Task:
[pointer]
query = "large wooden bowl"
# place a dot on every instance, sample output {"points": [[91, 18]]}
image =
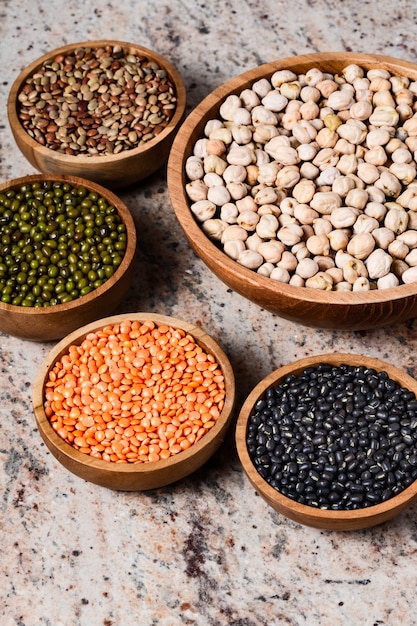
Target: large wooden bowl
{"points": [[309, 515], [113, 171], [323, 309], [143, 476], [54, 322]]}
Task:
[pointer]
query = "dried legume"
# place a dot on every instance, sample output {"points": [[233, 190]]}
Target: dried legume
{"points": [[336, 437], [58, 242], [309, 150], [96, 101], [134, 393]]}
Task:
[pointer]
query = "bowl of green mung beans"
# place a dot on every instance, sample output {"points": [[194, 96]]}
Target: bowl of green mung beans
{"points": [[104, 110], [330, 441], [67, 254]]}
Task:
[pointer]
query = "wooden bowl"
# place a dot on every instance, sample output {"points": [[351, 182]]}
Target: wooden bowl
{"points": [[147, 475], [311, 307], [111, 170], [54, 322], [310, 515]]}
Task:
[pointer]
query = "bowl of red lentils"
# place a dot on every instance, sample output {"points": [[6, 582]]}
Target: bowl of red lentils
{"points": [[134, 402], [296, 184], [105, 110], [330, 441], [67, 254]]}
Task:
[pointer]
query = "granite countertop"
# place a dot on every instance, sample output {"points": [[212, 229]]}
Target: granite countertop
{"points": [[207, 551]]}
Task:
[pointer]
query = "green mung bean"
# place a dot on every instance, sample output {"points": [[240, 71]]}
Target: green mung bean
{"points": [[53, 248]]}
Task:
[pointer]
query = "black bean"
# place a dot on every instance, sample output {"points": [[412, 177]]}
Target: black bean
{"points": [[373, 498], [385, 465], [396, 457]]}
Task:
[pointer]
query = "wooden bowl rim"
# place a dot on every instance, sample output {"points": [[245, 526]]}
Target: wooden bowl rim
{"points": [[127, 260], [182, 147], [322, 518], [76, 337], [141, 149]]}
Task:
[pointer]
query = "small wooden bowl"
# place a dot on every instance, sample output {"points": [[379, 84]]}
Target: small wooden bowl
{"points": [[311, 307], [143, 476], [309, 515], [113, 171], [54, 322]]}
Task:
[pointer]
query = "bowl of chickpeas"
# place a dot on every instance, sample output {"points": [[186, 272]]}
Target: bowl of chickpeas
{"points": [[135, 401], [295, 183], [105, 110], [67, 254]]}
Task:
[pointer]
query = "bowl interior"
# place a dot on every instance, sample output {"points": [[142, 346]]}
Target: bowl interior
{"points": [[54, 322], [317, 308], [141, 476], [310, 515]]}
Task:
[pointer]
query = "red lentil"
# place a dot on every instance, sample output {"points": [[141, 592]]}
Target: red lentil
{"points": [[134, 393]]}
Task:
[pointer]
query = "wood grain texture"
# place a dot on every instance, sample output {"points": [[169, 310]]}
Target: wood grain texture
{"points": [[51, 323], [307, 515], [113, 171], [334, 310], [144, 476]]}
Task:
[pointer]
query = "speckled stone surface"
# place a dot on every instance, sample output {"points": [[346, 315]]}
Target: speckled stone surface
{"points": [[206, 551]]}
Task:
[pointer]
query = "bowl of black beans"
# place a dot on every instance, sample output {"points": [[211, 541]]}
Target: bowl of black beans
{"points": [[330, 441], [67, 254]]}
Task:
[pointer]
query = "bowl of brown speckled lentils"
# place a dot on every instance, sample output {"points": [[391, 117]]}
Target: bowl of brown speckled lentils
{"points": [[295, 182], [104, 110]]}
